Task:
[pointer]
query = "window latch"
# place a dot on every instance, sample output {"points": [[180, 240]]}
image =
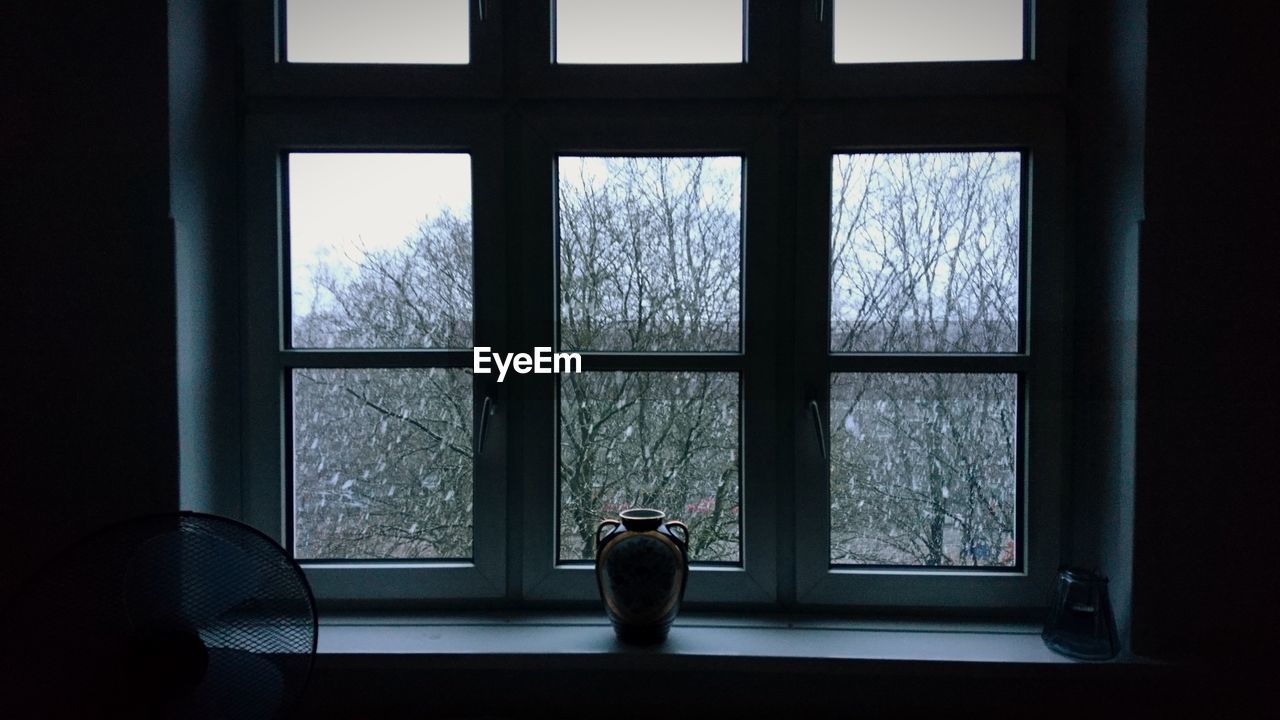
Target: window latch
{"points": [[817, 428], [486, 410]]}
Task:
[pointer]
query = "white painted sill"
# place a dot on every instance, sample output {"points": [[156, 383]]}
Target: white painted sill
{"points": [[582, 639]]}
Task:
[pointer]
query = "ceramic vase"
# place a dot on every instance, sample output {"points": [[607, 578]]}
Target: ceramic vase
{"points": [[642, 567]]}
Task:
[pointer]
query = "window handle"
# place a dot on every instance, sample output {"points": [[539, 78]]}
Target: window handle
{"points": [[820, 6], [817, 428], [481, 7], [485, 411]]}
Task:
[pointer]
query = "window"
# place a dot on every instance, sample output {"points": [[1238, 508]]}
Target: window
{"points": [[816, 293], [885, 31], [656, 32], [380, 258], [377, 31], [650, 261]]}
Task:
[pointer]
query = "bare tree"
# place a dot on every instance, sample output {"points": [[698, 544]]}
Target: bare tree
{"points": [[650, 254], [664, 440], [382, 463], [416, 295], [924, 259], [382, 457], [925, 254], [650, 251]]}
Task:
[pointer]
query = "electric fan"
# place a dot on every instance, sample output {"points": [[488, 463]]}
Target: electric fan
{"points": [[182, 615]]}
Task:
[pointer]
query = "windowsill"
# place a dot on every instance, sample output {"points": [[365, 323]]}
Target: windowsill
{"points": [[568, 640], [570, 665]]}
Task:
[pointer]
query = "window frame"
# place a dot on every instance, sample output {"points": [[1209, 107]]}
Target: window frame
{"points": [[268, 358], [786, 105], [540, 76], [1035, 129], [268, 73], [635, 131], [1041, 71]]}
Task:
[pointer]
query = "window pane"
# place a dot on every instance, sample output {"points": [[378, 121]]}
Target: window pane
{"points": [[923, 469], [650, 253], [382, 464], [380, 250], [884, 31], [378, 31], [665, 440], [925, 252], [648, 31]]}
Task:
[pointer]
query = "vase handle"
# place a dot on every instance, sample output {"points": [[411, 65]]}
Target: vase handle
{"points": [[684, 531], [611, 524]]}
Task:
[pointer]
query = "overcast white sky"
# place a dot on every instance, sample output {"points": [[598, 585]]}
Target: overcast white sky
{"points": [[652, 31], [341, 204], [649, 31], [926, 30], [378, 31]]}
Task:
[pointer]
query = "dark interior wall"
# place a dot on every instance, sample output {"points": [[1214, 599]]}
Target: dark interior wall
{"points": [[1108, 108], [1204, 550], [89, 383]]}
